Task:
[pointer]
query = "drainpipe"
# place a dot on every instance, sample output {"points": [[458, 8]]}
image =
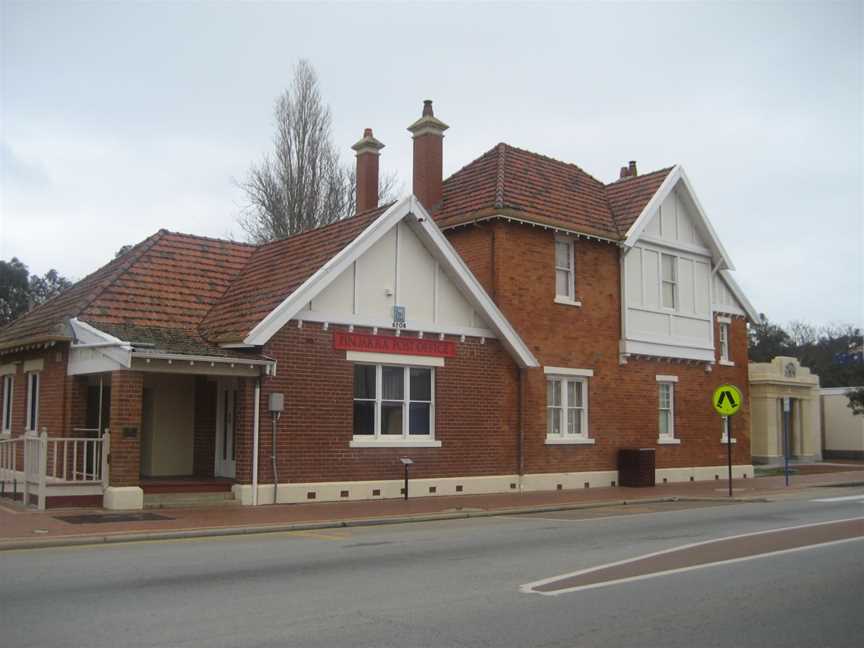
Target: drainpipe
{"points": [[521, 413], [275, 417], [255, 424]]}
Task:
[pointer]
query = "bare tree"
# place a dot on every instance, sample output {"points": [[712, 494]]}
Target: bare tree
{"points": [[303, 184]]}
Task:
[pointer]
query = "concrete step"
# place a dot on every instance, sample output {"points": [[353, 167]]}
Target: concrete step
{"points": [[188, 500]]}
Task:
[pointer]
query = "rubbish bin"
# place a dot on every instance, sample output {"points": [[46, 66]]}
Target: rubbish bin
{"points": [[636, 467]]}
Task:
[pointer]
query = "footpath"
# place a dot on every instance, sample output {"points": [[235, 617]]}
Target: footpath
{"points": [[22, 528]]}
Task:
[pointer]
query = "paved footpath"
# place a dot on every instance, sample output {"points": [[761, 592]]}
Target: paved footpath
{"points": [[21, 528]]}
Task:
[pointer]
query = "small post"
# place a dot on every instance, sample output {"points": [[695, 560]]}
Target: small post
{"points": [[43, 468], [106, 449], [786, 410], [406, 462], [729, 450]]}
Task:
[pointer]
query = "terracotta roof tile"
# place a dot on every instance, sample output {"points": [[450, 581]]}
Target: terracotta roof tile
{"points": [[276, 270], [540, 189]]}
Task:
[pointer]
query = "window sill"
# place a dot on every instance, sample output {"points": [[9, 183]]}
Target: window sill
{"points": [[394, 443], [5, 434], [727, 363], [557, 440], [668, 441], [723, 440], [567, 302]]}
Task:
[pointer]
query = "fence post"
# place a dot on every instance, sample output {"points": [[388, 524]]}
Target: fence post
{"points": [[27, 468], [106, 450], [43, 468]]}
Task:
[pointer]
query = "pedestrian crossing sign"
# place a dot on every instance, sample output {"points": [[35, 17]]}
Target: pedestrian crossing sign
{"points": [[727, 400]]}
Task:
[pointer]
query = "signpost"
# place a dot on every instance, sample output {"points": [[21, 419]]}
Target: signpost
{"points": [[727, 400]]}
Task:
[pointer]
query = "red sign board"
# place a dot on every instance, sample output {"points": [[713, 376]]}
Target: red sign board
{"points": [[390, 344]]}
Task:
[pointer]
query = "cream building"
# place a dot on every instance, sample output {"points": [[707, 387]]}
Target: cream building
{"points": [[770, 382], [842, 431]]}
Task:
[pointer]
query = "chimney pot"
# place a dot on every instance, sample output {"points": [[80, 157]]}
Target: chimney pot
{"points": [[623, 173], [632, 169], [428, 132], [368, 151]]}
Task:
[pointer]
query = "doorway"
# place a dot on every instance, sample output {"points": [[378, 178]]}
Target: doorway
{"points": [[226, 428]]}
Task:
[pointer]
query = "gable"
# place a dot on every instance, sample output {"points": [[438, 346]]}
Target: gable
{"points": [[374, 253], [398, 270], [674, 222]]}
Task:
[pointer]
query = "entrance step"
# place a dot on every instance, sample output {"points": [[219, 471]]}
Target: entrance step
{"points": [[188, 500]]}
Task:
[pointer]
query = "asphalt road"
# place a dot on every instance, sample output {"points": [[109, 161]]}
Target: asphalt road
{"points": [[453, 583]]}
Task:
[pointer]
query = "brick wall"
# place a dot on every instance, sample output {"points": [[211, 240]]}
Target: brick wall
{"points": [[127, 388], [53, 390], [476, 396], [622, 400]]}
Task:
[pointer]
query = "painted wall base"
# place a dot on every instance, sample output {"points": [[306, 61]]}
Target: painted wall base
{"points": [[843, 454], [123, 498], [290, 493]]}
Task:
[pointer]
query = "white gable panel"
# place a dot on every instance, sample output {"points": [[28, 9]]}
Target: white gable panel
{"points": [[397, 270], [724, 300], [674, 222]]}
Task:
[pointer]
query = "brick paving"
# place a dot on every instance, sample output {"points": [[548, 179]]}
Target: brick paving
{"points": [[17, 524]]}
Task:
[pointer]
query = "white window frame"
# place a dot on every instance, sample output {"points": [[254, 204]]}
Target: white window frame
{"points": [[378, 440], [667, 382], [673, 282], [570, 297], [724, 332], [33, 409], [565, 437], [8, 399]]}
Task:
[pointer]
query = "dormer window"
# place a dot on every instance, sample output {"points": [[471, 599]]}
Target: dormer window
{"points": [[565, 271]]}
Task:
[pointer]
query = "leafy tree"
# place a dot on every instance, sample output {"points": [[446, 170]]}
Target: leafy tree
{"points": [[856, 401], [768, 341], [14, 290], [303, 184], [20, 291]]}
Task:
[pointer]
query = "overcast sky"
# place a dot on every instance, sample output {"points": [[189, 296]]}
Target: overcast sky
{"points": [[120, 119]]}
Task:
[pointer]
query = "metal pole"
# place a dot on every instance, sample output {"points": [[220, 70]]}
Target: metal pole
{"points": [[786, 440], [406, 481], [729, 449]]}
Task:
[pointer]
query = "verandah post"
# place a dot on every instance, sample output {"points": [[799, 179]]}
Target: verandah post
{"points": [[43, 468]]}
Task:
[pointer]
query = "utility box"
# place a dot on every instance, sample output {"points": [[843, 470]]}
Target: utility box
{"points": [[636, 467], [276, 403]]}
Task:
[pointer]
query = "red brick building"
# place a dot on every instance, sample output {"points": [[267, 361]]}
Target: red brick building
{"points": [[511, 327]]}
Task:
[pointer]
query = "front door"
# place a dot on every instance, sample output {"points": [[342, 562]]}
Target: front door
{"points": [[226, 429]]}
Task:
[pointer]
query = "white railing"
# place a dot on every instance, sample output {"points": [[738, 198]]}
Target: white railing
{"points": [[40, 465]]}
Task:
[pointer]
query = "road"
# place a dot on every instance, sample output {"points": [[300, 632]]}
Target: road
{"points": [[453, 583]]}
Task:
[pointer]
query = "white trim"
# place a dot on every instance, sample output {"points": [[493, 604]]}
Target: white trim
{"points": [[570, 297], [658, 350], [8, 401], [727, 363], [405, 438], [667, 379], [566, 302], [568, 440], [31, 419], [33, 366], [736, 291], [564, 408], [668, 440], [410, 210], [8, 369], [356, 442], [670, 436], [543, 226], [566, 371], [677, 174], [724, 320], [387, 324], [394, 358]]}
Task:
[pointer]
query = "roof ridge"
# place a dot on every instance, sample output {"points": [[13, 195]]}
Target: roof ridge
{"points": [[554, 160], [130, 258], [499, 187], [208, 238], [641, 175]]}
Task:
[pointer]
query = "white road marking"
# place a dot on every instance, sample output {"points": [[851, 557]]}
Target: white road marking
{"points": [[845, 498], [529, 588]]}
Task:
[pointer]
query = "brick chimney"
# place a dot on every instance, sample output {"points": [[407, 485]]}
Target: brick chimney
{"points": [[428, 132], [628, 171], [368, 151]]}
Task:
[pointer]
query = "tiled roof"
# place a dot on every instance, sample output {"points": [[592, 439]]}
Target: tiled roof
{"points": [[512, 181], [276, 270], [628, 197]]}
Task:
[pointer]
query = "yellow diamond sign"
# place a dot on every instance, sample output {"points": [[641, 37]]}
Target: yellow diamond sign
{"points": [[727, 400]]}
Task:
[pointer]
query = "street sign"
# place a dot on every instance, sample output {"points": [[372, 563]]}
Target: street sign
{"points": [[727, 400]]}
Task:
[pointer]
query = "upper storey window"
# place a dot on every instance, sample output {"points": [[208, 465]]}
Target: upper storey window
{"points": [[565, 270], [669, 282]]}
